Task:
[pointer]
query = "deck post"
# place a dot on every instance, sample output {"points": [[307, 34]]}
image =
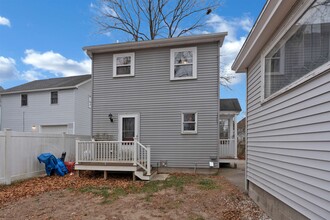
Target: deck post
{"points": [[135, 151], [105, 174], [77, 142], [148, 160]]}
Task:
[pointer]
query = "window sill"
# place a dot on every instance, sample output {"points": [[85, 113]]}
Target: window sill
{"points": [[120, 76], [186, 132], [183, 78], [315, 73]]}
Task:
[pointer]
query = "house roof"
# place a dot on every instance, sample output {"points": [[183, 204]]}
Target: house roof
{"points": [[176, 41], [270, 18], [230, 105], [48, 84], [241, 123]]}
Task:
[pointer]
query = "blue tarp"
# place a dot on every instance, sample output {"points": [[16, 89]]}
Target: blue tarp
{"points": [[53, 164]]}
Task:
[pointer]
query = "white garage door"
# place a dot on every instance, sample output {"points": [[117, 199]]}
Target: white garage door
{"points": [[54, 129]]}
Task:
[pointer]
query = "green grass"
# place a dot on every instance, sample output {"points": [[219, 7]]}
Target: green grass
{"points": [[173, 182], [207, 184]]}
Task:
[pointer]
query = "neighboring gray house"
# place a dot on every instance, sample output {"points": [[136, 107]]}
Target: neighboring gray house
{"points": [[164, 92], [229, 109], [287, 60], [49, 106]]}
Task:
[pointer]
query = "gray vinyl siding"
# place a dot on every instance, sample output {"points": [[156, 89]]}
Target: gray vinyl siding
{"points": [[160, 102], [39, 111], [288, 141], [83, 113]]}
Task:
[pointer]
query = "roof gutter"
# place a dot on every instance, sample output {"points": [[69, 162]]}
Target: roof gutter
{"points": [[37, 90], [205, 38], [45, 89]]}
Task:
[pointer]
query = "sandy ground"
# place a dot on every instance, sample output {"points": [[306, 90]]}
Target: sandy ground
{"points": [[184, 197]]}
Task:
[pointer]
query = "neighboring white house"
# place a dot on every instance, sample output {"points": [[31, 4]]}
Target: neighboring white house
{"points": [[287, 60], [49, 106], [229, 109]]}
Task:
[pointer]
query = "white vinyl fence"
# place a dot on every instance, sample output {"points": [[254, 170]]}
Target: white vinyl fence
{"points": [[19, 152]]}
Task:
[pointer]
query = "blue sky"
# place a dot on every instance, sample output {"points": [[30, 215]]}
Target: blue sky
{"points": [[43, 38]]}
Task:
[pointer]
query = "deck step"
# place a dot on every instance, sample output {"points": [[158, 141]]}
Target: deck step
{"points": [[142, 174]]}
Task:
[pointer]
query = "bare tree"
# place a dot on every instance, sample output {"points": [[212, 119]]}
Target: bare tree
{"points": [[151, 19]]}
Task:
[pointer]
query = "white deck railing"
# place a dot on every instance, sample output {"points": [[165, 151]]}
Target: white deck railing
{"points": [[227, 148], [114, 152]]}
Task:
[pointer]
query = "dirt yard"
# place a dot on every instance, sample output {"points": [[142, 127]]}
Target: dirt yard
{"points": [[91, 197]]}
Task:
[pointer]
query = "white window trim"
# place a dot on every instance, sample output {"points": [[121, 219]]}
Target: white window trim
{"points": [[137, 124], [194, 63], [114, 63], [196, 122], [275, 40]]}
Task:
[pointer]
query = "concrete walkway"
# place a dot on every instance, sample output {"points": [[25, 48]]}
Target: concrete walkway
{"points": [[235, 176]]}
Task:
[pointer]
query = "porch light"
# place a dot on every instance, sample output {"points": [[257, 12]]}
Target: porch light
{"points": [[34, 128], [111, 117]]}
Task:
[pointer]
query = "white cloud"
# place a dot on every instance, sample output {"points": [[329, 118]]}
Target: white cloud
{"points": [[32, 75], [4, 21], [7, 68], [56, 63], [232, 43]]}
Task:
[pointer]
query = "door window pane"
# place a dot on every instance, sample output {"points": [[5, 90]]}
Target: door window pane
{"points": [[128, 129]]}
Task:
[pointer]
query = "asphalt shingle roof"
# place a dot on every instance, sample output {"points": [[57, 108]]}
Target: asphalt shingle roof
{"points": [[48, 84], [230, 105]]}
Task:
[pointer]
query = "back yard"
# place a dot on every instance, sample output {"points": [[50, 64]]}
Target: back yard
{"points": [[181, 196]]}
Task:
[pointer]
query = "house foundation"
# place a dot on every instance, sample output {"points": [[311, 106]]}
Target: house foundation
{"points": [[274, 208]]}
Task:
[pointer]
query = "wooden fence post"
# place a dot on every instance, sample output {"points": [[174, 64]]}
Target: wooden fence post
{"points": [[7, 167]]}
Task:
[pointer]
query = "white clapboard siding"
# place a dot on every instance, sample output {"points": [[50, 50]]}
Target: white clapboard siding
{"points": [[39, 110], [289, 143]]}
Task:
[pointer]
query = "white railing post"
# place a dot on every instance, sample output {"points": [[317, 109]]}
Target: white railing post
{"points": [[148, 160], [135, 151], [77, 152]]}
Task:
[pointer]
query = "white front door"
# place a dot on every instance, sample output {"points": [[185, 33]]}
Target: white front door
{"points": [[128, 127]]}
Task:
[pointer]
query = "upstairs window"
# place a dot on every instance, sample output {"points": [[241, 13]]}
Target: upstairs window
{"points": [[184, 63], [123, 64], [24, 99], [189, 123], [303, 49], [54, 97]]}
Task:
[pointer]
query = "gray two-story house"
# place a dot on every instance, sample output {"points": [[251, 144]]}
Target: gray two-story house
{"points": [[54, 105], [164, 93]]}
